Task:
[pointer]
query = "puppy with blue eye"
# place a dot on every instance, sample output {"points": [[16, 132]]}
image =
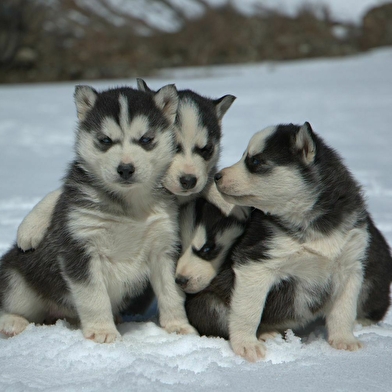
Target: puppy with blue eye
{"points": [[207, 235]]}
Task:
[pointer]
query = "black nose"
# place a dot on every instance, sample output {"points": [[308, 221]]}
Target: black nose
{"points": [[188, 181], [217, 177], [182, 280], [126, 170]]}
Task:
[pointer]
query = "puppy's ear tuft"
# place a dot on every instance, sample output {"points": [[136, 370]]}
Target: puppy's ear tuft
{"points": [[223, 104], [304, 143], [85, 97], [166, 99], [142, 85]]}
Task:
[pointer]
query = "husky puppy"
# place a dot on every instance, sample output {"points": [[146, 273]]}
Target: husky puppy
{"points": [[310, 249], [207, 235], [114, 226], [198, 134]]}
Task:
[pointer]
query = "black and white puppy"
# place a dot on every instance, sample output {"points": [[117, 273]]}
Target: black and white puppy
{"points": [[310, 248], [114, 227]]}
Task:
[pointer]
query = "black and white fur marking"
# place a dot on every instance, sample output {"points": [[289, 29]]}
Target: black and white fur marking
{"points": [[310, 248], [198, 135], [114, 226]]}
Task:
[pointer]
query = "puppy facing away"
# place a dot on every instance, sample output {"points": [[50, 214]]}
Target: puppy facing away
{"points": [[114, 227], [309, 249]]}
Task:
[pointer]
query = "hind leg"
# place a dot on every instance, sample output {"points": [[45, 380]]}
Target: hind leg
{"points": [[20, 307]]}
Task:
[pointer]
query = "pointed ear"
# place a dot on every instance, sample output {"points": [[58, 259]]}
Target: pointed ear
{"points": [[142, 85], [222, 105], [85, 97], [305, 144], [167, 100]]}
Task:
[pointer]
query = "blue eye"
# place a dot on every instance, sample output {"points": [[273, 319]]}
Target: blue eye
{"points": [[106, 141], [255, 161], [207, 248], [144, 140]]}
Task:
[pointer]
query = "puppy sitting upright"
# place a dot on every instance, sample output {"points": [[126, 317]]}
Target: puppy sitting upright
{"points": [[316, 243], [114, 226]]}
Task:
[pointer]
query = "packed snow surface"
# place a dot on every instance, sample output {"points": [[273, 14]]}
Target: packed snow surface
{"points": [[348, 101]]}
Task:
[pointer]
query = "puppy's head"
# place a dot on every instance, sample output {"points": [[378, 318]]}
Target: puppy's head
{"points": [[198, 142], [198, 136], [207, 246], [125, 137], [276, 174]]}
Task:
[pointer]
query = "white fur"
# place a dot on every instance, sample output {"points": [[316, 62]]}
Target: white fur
{"points": [[312, 265], [282, 192], [34, 226]]}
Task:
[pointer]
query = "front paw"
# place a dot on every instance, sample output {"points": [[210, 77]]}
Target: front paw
{"points": [[250, 349], [30, 236], [268, 335], [12, 324], [101, 334], [349, 343], [180, 328]]}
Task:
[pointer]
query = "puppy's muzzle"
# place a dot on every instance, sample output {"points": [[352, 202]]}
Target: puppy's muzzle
{"points": [[182, 281], [125, 171]]}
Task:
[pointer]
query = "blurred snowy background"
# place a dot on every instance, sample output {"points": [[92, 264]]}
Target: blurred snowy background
{"points": [[347, 98], [82, 39]]}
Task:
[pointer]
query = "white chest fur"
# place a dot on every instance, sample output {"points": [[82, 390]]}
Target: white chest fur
{"points": [[121, 248], [318, 265]]}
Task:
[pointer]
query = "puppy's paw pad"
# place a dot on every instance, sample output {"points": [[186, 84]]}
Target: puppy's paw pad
{"points": [[182, 329], [99, 335], [346, 344], [11, 325], [252, 351]]}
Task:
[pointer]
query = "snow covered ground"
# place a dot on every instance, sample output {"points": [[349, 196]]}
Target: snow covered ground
{"points": [[348, 101]]}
